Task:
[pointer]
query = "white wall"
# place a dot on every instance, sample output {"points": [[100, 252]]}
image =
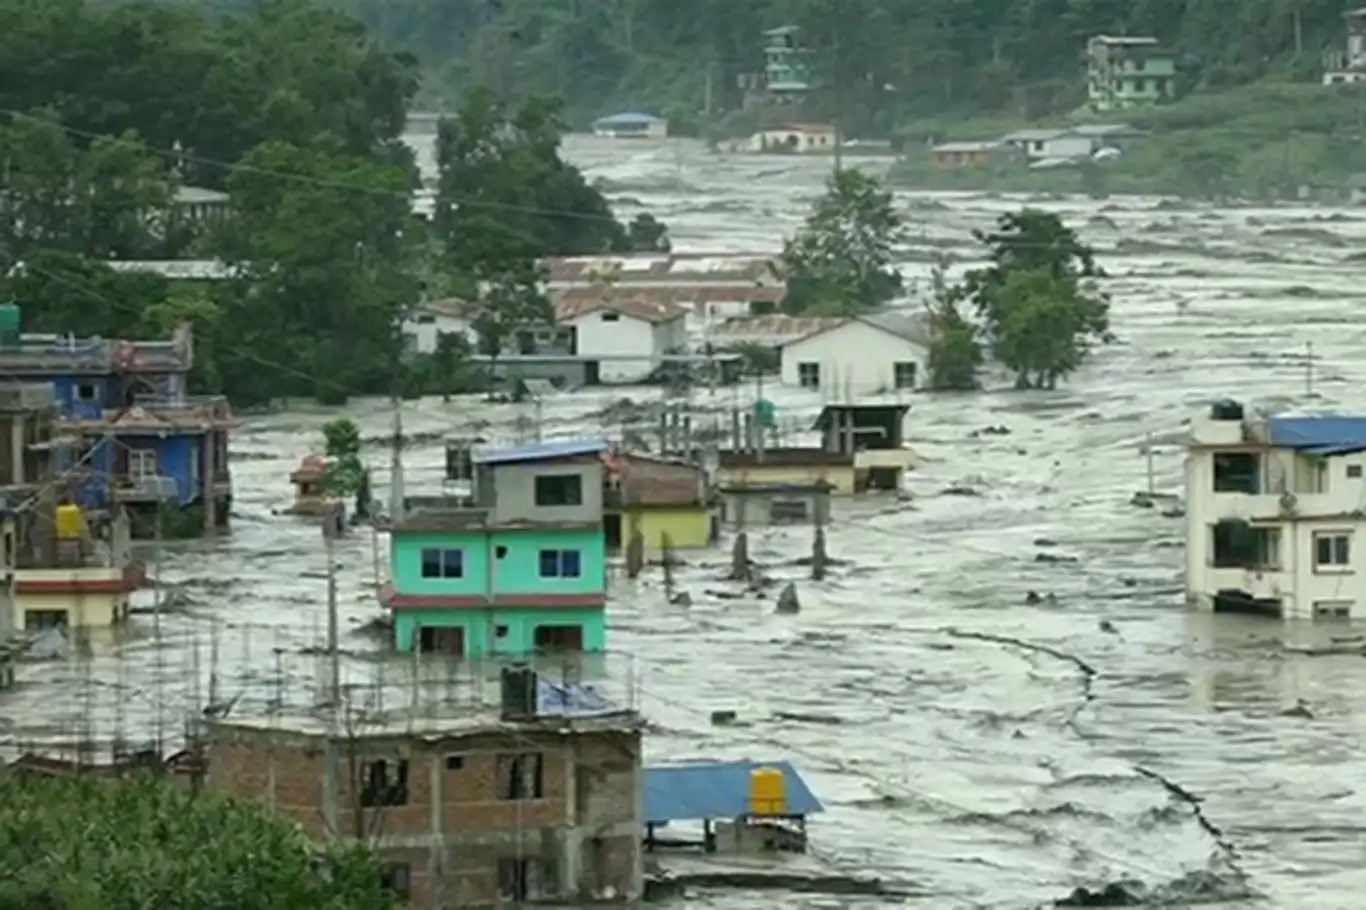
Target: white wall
{"points": [[1065, 147], [1324, 502], [423, 329], [601, 335], [855, 356]]}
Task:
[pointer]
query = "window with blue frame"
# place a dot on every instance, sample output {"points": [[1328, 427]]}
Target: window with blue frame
{"points": [[560, 564], [443, 563]]}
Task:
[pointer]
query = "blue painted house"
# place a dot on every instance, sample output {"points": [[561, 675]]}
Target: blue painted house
{"points": [[134, 437], [520, 570]]}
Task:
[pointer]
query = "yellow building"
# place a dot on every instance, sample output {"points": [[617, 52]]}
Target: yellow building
{"points": [[663, 501], [65, 577]]}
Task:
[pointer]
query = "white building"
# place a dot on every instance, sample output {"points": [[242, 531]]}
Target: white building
{"points": [[1348, 68], [1056, 143], [636, 329], [795, 138], [1273, 508], [860, 355], [428, 321]]}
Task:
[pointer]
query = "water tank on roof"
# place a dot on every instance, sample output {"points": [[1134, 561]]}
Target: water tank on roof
{"points": [[767, 792], [1228, 409], [70, 522], [10, 325]]}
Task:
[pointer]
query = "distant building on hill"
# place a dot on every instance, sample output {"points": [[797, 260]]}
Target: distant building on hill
{"points": [[1344, 69], [1128, 72]]}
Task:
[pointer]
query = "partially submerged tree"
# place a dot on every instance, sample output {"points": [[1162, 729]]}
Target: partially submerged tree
{"points": [[511, 307], [840, 262], [345, 472], [955, 353], [1038, 300]]}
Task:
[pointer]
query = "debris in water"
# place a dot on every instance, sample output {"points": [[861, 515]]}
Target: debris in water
{"points": [[1115, 894], [1301, 709], [723, 718], [1108, 627], [1053, 557], [787, 600]]}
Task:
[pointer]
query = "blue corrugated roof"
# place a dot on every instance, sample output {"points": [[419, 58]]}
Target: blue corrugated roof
{"points": [[539, 451], [1326, 434], [697, 791]]}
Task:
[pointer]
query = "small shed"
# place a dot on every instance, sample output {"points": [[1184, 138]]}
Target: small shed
{"points": [[631, 125], [764, 504], [309, 496], [726, 797]]}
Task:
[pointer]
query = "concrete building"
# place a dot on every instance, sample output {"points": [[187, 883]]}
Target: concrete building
{"points": [[785, 69], [541, 801], [424, 325], [981, 153], [1347, 68], [631, 125], [1273, 508], [795, 139], [666, 502], [860, 355], [1125, 72], [123, 408], [618, 325], [517, 568]]}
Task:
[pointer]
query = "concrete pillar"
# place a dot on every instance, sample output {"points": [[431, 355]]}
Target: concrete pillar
{"points": [[209, 460], [739, 558], [635, 552], [819, 557], [16, 448]]}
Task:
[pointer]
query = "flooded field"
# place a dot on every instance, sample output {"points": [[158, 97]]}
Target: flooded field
{"points": [[971, 746]]}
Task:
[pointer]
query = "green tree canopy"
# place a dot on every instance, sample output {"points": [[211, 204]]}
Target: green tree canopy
{"points": [[75, 843], [840, 262]]}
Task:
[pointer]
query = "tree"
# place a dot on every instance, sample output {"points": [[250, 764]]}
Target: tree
{"points": [[511, 307], [345, 473], [955, 350], [647, 234], [68, 842], [318, 236], [1038, 299], [840, 262]]}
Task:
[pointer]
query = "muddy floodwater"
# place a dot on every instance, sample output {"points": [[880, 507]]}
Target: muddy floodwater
{"points": [[973, 747]]}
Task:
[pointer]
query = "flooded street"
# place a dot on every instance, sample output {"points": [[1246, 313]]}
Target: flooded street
{"points": [[969, 747]]}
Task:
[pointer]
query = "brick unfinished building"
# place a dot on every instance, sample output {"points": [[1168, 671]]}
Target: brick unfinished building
{"points": [[543, 805]]}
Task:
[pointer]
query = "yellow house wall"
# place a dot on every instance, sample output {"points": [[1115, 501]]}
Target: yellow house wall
{"points": [[82, 609], [841, 478], [688, 529]]}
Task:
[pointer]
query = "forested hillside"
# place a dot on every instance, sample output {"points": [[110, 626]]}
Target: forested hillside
{"points": [[912, 57]]}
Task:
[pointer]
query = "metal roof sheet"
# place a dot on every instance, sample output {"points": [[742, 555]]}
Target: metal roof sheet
{"points": [[697, 791], [1323, 434], [539, 451]]}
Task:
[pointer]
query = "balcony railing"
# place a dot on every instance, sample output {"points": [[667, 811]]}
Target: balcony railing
{"points": [[128, 488]]}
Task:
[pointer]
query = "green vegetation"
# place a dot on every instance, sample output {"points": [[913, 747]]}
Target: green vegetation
{"points": [[841, 261], [108, 110], [895, 62], [1037, 306], [1263, 141], [128, 845]]}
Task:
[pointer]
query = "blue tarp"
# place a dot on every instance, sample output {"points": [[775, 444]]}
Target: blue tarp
{"points": [[698, 791], [570, 700], [539, 451], [1327, 434]]}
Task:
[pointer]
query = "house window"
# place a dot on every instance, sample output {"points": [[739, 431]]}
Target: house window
{"points": [[520, 777], [443, 563], [903, 374], [500, 631], [1354, 470], [1237, 472], [611, 317], [86, 391], [1332, 609], [45, 619], [559, 638], [809, 375], [396, 878], [1235, 544], [559, 490], [385, 783], [1332, 551], [523, 879], [455, 762], [560, 564], [142, 464]]}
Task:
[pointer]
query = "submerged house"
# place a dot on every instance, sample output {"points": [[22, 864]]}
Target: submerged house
{"points": [[518, 567], [666, 502], [862, 448], [128, 423], [744, 806], [1273, 507]]}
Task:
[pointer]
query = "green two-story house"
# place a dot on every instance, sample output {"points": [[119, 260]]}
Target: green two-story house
{"points": [[518, 569], [1123, 72]]}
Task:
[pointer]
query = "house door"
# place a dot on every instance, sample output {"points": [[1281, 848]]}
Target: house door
{"points": [[559, 638], [442, 640]]}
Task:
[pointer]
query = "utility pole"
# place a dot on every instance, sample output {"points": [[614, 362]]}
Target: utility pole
{"points": [[332, 526], [396, 491]]}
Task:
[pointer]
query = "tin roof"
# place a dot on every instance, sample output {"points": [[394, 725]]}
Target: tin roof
{"points": [[912, 327], [539, 451], [664, 268], [775, 325], [700, 791], [636, 303], [1321, 434]]}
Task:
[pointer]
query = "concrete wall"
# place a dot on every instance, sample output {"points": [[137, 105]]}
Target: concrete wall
{"points": [[518, 627], [856, 358], [517, 571], [842, 479], [515, 490], [453, 828], [687, 527], [93, 609]]}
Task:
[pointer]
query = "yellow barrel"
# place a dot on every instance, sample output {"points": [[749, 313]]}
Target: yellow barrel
{"points": [[767, 792], [70, 522]]}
